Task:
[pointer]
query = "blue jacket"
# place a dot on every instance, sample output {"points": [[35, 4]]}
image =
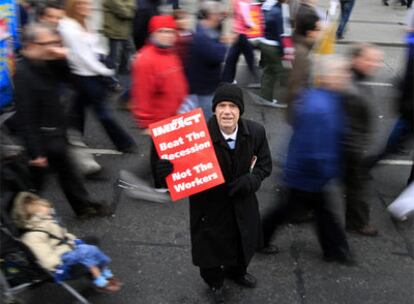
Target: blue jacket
{"points": [[314, 155], [273, 20], [206, 56]]}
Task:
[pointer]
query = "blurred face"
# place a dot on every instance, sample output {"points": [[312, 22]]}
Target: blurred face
{"points": [[83, 8], [52, 16], [339, 77], [227, 114], [165, 37], [184, 23], [316, 33], [46, 46], [370, 60]]}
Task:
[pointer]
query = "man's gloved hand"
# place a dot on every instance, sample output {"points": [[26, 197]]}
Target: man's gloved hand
{"points": [[163, 168], [244, 185]]}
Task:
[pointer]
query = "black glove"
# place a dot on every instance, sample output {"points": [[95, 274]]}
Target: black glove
{"points": [[163, 168], [244, 185]]}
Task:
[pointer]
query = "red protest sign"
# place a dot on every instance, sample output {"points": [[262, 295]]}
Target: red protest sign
{"points": [[257, 31], [185, 141]]}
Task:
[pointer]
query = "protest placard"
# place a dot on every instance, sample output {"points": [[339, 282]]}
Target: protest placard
{"points": [[185, 141]]}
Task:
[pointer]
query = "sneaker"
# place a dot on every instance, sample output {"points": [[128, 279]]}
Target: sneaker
{"points": [[278, 104], [254, 85], [367, 230], [161, 190]]}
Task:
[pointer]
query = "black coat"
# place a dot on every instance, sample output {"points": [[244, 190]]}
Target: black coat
{"points": [[219, 224]]}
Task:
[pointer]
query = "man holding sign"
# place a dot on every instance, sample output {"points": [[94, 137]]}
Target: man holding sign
{"points": [[224, 220]]}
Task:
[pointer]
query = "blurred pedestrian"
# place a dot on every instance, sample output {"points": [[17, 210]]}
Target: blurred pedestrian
{"points": [[144, 11], [50, 12], [242, 21], [207, 53], [346, 10], [307, 32], [271, 48], [90, 74], [366, 59], [159, 85], [41, 117], [184, 36], [117, 27], [314, 159], [224, 221]]}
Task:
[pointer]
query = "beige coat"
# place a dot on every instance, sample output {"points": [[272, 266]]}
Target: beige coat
{"points": [[47, 249]]}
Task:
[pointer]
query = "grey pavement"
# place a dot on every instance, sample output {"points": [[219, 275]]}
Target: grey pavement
{"points": [[150, 244]]}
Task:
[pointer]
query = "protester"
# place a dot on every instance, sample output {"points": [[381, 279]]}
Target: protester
{"points": [[314, 159], [306, 34], [224, 221], [159, 85], [57, 250], [346, 10], [41, 118], [90, 74], [366, 59], [271, 48], [184, 37], [50, 12], [145, 10], [117, 27], [207, 53], [242, 21]]}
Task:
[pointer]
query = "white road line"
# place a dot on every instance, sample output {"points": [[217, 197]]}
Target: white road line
{"points": [[396, 162], [377, 84], [103, 151]]}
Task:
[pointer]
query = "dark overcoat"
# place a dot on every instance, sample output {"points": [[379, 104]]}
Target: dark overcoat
{"points": [[222, 226]]}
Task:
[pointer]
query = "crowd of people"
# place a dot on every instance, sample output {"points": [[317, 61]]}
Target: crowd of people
{"points": [[175, 68]]}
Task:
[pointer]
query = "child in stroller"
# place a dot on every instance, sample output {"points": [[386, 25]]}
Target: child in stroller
{"points": [[55, 248]]}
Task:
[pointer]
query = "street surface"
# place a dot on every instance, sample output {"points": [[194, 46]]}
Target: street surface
{"points": [[150, 243]]}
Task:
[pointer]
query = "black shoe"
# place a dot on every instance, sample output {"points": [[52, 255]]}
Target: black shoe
{"points": [[86, 213], [217, 294], [246, 280], [102, 209], [346, 260], [269, 249]]}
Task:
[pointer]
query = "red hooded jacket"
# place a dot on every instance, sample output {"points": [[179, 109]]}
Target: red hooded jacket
{"points": [[159, 85]]}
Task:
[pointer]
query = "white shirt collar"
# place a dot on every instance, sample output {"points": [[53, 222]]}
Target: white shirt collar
{"points": [[232, 135]]}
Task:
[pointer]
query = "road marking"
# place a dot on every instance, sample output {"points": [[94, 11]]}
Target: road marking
{"points": [[377, 84], [102, 151], [397, 162]]}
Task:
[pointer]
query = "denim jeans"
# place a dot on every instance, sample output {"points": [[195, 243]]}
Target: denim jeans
{"points": [[204, 102], [346, 9], [91, 92], [242, 46]]}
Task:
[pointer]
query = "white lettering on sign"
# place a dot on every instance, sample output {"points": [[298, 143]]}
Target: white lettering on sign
{"points": [[176, 124], [196, 182], [180, 175], [202, 167], [193, 149], [195, 135], [172, 144]]}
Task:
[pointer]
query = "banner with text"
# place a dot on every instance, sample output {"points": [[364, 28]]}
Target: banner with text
{"points": [[185, 141]]}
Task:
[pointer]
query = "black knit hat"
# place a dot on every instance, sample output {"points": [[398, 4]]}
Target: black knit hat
{"points": [[229, 92]]}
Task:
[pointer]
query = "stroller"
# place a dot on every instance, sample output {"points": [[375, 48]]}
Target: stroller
{"points": [[19, 269]]}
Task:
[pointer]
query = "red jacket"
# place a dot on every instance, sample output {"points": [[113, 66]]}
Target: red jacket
{"points": [[159, 85]]}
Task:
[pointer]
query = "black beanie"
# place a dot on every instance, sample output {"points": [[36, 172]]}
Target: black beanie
{"points": [[229, 92]]}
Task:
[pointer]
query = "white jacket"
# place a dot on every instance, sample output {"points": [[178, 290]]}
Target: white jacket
{"points": [[84, 50]]}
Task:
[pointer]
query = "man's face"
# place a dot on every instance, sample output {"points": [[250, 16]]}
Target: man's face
{"points": [[46, 46], [314, 35], [165, 37], [52, 16], [369, 61], [227, 114]]}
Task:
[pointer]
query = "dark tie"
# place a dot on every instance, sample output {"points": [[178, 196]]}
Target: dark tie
{"points": [[231, 143]]}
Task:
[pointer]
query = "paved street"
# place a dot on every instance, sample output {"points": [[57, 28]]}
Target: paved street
{"points": [[150, 243]]}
